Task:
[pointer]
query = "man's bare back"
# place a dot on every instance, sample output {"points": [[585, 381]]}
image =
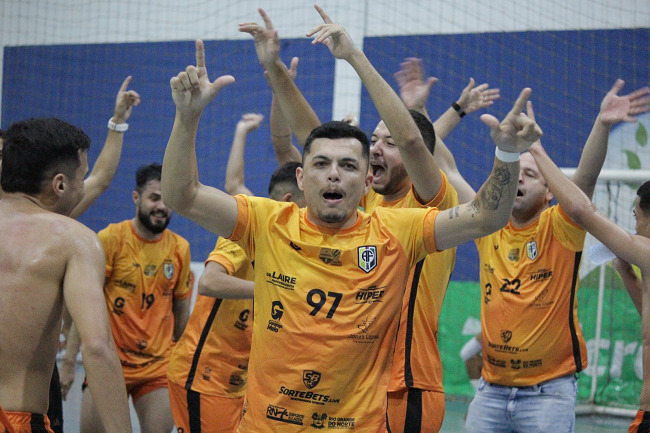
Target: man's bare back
{"points": [[37, 247]]}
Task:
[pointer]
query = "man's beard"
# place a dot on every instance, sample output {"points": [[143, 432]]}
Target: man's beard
{"points": [[145, 220]]}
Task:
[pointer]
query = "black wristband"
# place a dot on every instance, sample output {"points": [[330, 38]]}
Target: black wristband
{"points": [[459, 110]]}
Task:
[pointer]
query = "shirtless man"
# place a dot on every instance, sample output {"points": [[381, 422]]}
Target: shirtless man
{"points": [[56, 261]]}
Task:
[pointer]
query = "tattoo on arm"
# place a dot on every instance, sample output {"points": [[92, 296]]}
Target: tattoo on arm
{"points": [[492, 193]]}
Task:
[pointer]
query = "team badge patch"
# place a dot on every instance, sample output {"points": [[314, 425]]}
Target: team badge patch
{"points": [[367, 258], [531, 250], [310, 378], [168, 269], [506, 335]]}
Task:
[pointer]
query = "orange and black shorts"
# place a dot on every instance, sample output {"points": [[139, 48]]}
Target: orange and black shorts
{"points": [[24, 422], [641, 423]]}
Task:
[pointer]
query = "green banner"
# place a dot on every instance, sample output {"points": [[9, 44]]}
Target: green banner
{"points": [[619, 364]]}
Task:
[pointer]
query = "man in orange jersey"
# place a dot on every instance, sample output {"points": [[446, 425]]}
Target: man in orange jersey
{"points": [[147, 292], [57, 261], [532, 343], [629, 249], [208, 369], [405, 175], [329, 279]]}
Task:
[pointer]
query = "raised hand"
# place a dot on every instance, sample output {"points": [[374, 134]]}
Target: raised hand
{"points": [[516, 132], [267, 43], [413, 89], [124, 102], [250, 122], [192, 90], [334, 36], [615, 109], [474, 98]]}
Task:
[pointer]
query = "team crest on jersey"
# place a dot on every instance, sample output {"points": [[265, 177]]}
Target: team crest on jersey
{"points": [[531, 250], [310, 378], [330, 256], [318, 420], [506, 335], [367, 257], [168, 270]]}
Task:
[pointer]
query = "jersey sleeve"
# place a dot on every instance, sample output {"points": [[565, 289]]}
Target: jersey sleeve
{"points": [[229, 255], [110, 241], [566, 231], [445, 199], [415, 229], [183, 287]]}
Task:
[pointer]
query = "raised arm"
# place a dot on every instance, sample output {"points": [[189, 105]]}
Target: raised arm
{"points": [[217, 283], [209, 207], [283, 146], [83, 292], [414, 92], [490, 209], [613, 109], [235, 168], [632, 282], [631, 248], [301, 117], [471, 99], [104, 169], [418, 161]]}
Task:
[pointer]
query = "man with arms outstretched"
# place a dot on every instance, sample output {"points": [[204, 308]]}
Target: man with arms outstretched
{"points": [[629, 249], [54, 261], [405, 175]]}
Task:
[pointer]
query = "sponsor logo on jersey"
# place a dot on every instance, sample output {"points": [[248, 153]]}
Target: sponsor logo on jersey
{"points": [[168, 269], [367, 257], [341, 423], [540, 275], [236, 380], [365, 336], [505, 348], [310, 378], [330, 256], [136, 265], [125, 285], [281, 280], [540, 300], [150, 270], [370, 295], [243, 318], [142, 344], [207, 371], [118, 306], [318, 420], [294, 246], [496, 362], [277, 310], [308, 396], [513, 255], [487, 268], [278, 413], [496, 247], [515, 364], [506, 335]]}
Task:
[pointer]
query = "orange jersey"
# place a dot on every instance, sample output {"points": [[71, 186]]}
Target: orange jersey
{"points": [[142, 279], [417, 361], [212, 355], [326, 308], [529, 310]]}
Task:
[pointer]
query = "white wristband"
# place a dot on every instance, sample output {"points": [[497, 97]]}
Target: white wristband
{"points": [[506, 156], [117, 127]]}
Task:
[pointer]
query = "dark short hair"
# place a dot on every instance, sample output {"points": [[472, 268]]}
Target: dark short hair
{"points": [[284, 175], [146, 173], [338, 129], [426, 129], [644, 197], [35, 150]]}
